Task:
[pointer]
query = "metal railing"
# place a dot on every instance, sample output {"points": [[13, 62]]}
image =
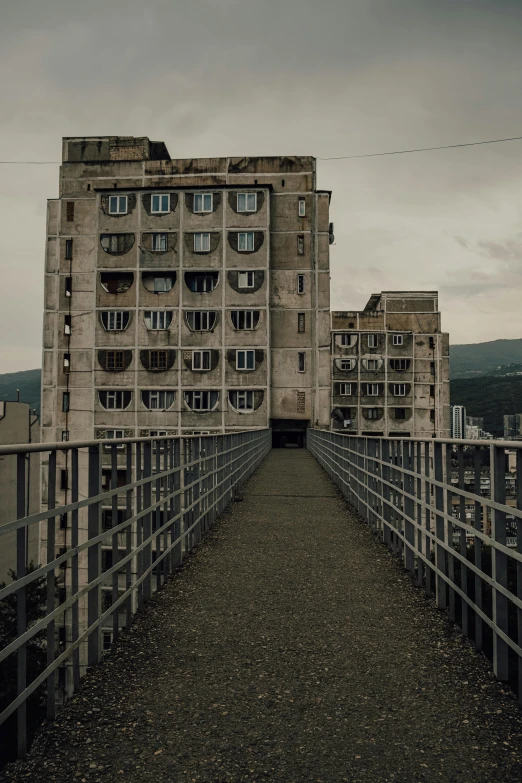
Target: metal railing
{"points": [[463, 548], [130, 510]]}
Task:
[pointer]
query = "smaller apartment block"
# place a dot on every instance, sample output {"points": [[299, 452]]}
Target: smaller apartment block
{"points": [[390, 367]]}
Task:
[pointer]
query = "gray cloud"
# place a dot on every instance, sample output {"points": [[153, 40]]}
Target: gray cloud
{"points": [[292, 76]]}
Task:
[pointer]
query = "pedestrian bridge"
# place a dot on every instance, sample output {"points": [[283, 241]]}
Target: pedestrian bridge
{"points": [[302, 640]]}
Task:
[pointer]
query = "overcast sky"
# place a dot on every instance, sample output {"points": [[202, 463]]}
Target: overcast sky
{"points": [[277, 77]]}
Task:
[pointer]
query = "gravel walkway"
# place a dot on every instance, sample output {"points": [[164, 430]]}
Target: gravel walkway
{"points": [[291, 648]]}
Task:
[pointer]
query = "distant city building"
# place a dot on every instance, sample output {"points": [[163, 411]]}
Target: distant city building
{"points": [[18, 425], [513, 426], [475, 421], [390, 367], [458, 421]]}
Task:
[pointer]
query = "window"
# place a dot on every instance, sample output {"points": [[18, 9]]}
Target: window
{"points": [[300, 284], [68, 286], [66, 399], [301, 361], [201, 400], [245, 360], [372, 389], [201, 282], [201, 242], [67, 324], [157, 433], [117, 243], [432, 390], [400, 365], [372, 413], [158, 320], [300, 244], [159, 243], [158, 400], [302, 207], [398, 339], [117, 205], [203, 202], [68, 249], [242, 400], [400, 413], [246, 202], [70, 211], [346, 339], [432, 342], [158, 360], [160, 203], [346, 389], [432, 414], [245, 241], [158, 284], [115, 320], [432, 368], [115, 400], [245, 279], [301, 322], [65, 435], [346, 364], [201, 360], [373, 364], [116, 282], [106, 640], [398, 389], [114, 434], [200, 320], [114, 360], [373, 341], [245, 319]]}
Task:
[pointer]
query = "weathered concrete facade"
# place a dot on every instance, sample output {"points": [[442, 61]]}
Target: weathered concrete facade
{"points": [[184, 295], [390, 367], [18, 425]]}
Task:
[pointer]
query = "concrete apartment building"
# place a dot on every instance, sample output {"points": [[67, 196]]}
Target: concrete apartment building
{"points": [[390, 367], [18, 424], [513, 426], [184, 295], [458, 421]]}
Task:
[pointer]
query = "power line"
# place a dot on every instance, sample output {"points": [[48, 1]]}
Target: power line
{"points": [[339, 157], [424, 149]]}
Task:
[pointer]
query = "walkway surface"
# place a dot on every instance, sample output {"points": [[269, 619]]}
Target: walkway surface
{"points": [[291, 648]]}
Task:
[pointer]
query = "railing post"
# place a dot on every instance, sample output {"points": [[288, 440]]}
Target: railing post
{"points": [[94, 556], [75, 577], [408, 508], [463, 544], [147, 519], [519, 568], [499, 563], [428, 549], [477, 463], [440, 557], [21, 604], [114, 541], [449, 529], [51, 588], [128, 533]]}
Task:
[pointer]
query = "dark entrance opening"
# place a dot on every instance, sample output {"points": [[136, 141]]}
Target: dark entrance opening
{"points": [[289, 433]]}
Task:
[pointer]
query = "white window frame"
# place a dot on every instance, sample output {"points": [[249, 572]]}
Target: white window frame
{"points": [[248, 197], [301, 361], [203, 398], [244, 400], [114, 400], [116, 317], [248, 241], [373, 341], [372, 390], [351, 363], [203, 197], [159, 396], [245, 280], [405, 368], [372, 365], [396, 389], [302, 207], [161, 197], [248, 320], [201, 357], [203, 239], [398, 339], [246, 353], [346, 340], [345, 389], [165, 280], [115, 435], [161, 239], [122, 205], [372, 418], [204, 315], [301, 284], [156, 321]]}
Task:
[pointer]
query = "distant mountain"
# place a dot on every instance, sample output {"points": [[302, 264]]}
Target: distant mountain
{"points": [[499, 357], [489, 396], [28, 383]]}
